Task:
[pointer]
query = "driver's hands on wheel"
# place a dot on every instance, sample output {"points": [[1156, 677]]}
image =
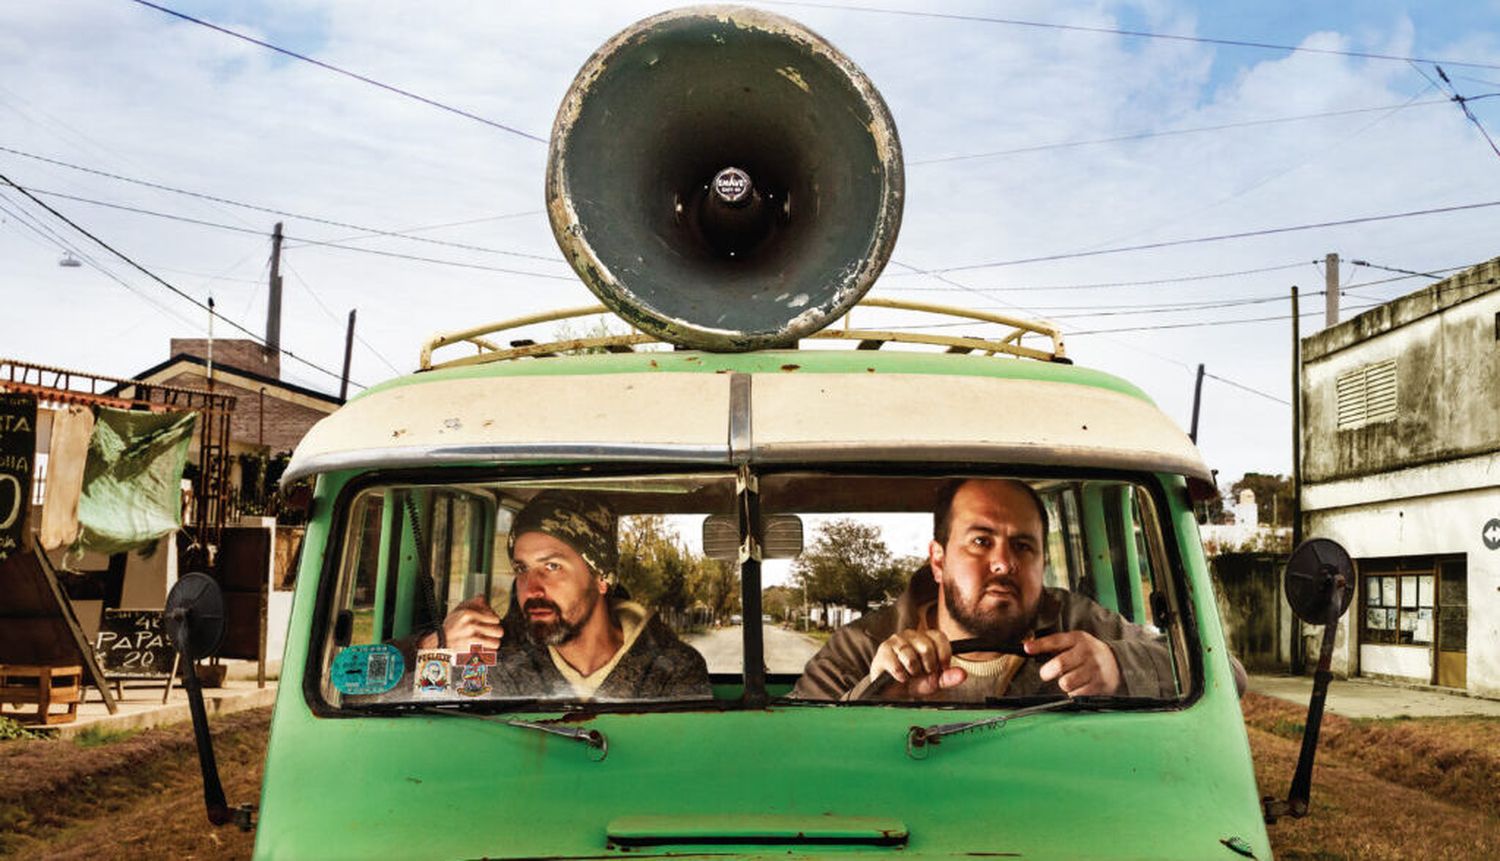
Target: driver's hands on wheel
{"points": [[472, 622], [1084, 665], [919, 660]]}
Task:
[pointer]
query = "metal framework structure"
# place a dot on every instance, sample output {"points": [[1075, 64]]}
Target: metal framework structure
{"points": [[60, 386], [1008, 344]]}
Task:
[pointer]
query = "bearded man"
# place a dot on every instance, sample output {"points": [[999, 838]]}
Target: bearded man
{"points": [[984, 580], [569, 633]]}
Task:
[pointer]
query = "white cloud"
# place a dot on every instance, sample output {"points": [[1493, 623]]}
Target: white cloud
{"points": [[125, 89]]}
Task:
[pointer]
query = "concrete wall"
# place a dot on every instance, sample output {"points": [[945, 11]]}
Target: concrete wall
{"points": [[1444, 341], [1257, 620], [1443, 523]]}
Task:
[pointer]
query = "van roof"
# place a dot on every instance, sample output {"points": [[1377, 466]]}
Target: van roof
{"points": [[772, 406]]}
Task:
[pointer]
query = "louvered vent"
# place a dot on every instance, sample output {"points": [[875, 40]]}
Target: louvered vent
{"points": [[1367, 395]]}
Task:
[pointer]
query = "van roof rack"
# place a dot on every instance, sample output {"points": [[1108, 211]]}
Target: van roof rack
{"points": [[865, 339]]}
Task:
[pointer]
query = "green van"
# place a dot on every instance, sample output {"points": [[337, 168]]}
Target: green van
{"points": [[730, 185]]}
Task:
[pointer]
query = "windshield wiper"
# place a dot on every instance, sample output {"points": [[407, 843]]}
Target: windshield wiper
{"points": [[597, 741], [919, 738]]}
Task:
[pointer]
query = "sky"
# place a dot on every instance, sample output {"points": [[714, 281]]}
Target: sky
{"points": [[1039, 139]]}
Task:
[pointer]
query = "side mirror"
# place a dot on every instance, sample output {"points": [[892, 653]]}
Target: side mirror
{"points": [[781, 533], [194, 620], [1319, 583]]}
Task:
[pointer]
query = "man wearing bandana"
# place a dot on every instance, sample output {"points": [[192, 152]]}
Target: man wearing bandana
{"points": [[569, 633], [984, 580]]}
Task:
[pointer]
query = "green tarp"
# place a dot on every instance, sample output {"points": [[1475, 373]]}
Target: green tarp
{"points": [[132, 483]]}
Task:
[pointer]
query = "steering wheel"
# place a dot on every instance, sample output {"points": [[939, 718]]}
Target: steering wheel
{"points": [[960, 647]]}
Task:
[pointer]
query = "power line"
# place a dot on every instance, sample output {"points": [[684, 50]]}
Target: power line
{"points": [[371, 231], [1167, 133], [1139, 34], [25, 219], [1247, 234], [1152, 282], [158, 279], [334, 317], [356, 76], [1463, 104], [301, 240]]}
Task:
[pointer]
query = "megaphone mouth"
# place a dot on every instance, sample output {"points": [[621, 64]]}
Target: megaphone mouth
{"points": [[724, 178]]}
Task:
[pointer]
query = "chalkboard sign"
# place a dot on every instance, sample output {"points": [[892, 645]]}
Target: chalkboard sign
{"points": [[17, 449], [132, 645]]}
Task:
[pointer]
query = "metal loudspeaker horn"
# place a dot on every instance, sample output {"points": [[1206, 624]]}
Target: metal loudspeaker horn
{"points": [[724, 179]]}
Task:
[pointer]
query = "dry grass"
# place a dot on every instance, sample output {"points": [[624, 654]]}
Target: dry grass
{"points": [[1422, 788], [1455, 759]]}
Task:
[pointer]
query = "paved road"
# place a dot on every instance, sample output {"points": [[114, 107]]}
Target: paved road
{"points": [[1360, 698], [786, 651]]}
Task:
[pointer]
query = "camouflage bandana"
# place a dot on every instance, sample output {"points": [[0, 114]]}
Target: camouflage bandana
{"points": [[584, 524]]}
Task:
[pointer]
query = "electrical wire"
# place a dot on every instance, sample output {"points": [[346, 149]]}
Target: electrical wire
{"points": [[1098, 285], [1139, 34], [1245, 234], [301, 240], [365, 231], [47, 234], [163, 282], [1166, 133], [334, 317], [356, 76]]}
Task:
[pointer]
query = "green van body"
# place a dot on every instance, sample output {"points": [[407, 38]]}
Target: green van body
{"points": [[777, 780]]}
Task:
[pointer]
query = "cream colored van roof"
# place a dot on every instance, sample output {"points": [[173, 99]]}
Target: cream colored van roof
{"points": [[774, 414]]}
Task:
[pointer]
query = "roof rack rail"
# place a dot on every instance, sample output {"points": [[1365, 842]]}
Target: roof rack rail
{"points": [[866, 339]]}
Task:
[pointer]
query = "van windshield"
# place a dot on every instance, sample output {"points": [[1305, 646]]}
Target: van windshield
{"points": [[650, 589]]}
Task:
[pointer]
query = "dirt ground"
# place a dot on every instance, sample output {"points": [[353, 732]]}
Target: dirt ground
{"points": [[1388, 789]]}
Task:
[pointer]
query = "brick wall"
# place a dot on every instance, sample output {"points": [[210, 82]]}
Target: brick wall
{"points": [[285, 422], [240, 353]]}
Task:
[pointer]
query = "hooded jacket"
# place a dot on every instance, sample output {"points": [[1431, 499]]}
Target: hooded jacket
{"points": [[841, 669]]}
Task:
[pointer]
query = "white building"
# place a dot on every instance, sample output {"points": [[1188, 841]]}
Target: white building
{"points": [[1401, 465]]}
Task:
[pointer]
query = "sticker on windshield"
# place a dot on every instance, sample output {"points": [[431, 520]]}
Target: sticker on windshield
{"points": [[434, 672], [368, 669], [474, 680]]}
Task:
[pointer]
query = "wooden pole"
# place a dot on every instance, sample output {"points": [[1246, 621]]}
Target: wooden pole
{"points": [[348, 354], [1197, 399], [1296, 422]]}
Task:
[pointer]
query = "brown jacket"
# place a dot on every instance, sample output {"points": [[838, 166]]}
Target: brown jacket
{"points": [[841, 669]]}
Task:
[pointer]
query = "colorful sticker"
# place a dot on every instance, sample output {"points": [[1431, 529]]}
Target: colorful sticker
{"points": [[367, 669], [434, 672], [474, 680]]}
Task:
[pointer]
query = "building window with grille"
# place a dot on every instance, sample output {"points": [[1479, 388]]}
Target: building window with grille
{"points": [[1398, 609], [1366, 395]]}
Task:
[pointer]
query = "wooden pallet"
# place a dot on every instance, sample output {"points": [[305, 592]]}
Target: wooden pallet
{"points": [[23, 684]]}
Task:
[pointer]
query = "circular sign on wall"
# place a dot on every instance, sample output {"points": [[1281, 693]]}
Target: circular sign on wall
{"points": [[1491, 534]]}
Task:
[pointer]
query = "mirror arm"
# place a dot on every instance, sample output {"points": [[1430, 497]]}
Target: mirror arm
{"points": [[1297, 800], [213, 789]]}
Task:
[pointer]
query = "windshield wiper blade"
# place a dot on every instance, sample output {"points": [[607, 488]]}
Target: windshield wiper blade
{"points": [[597, 741], [919, 738]]}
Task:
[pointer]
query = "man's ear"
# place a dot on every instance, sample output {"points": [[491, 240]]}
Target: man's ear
{"points": [[935, 560], [602, 583]]}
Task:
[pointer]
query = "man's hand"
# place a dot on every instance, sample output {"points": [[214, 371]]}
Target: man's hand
{"points": [[473, 621], [1084, 665], [919, 660]]}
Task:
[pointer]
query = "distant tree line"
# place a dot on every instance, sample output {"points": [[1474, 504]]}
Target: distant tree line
{"points": [[847, 565], [659, 571]]}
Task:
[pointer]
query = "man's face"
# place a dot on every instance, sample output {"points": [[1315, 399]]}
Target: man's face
{"points": [[557, 591], [989, 572]]}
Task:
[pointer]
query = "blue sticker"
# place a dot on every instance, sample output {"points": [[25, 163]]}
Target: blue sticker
{"points": [[372, 669]]}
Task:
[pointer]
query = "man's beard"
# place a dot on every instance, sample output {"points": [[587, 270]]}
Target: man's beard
{"points": [[1008, 625], [558, 630]]}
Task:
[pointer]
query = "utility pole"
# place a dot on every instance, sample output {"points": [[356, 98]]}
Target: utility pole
{"points": [[348, 353], [273, 305], [1197, 398], [1331, 290], [1298, 661], [1296, 422]]}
